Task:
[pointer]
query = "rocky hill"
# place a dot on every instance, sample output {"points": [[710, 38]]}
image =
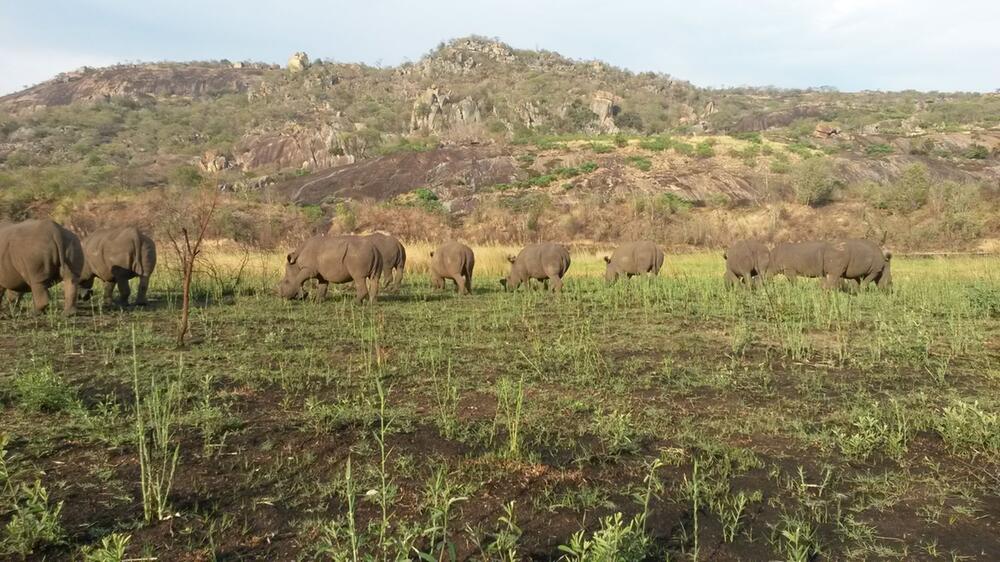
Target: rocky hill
{"points": [[473, 122]]}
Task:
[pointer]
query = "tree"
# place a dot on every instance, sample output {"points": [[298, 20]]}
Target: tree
{"points": [[814, 181], [189, 216]]}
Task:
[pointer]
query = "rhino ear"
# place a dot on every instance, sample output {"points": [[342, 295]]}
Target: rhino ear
{"points": [[511, 258], [432, 254], [887, 254], [607, 259], [292, 257]]}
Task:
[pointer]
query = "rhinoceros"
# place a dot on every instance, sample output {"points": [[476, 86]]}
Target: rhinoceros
{"points": [[859, 260], [455, 261], [393, 258], [115, 256], [333, 259], [633, 258], [545, 261], [35, 255], [747, 261]]}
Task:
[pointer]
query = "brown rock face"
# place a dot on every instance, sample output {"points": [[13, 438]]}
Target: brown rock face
{"points": [[294, 147], [454, 172], [604, 105], [136, 82]]}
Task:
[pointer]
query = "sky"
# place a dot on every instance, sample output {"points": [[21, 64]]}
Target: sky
{"points": [[848, 44]]}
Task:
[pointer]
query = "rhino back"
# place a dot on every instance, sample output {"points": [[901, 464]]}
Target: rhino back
{"points": [[38, 251]]}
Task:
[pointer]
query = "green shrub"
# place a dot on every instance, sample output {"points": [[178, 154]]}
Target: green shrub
{"points": [[42, 390], [600, 148], [969, 430], [641, 162], [878, 149], [621, 141], [704, 149], [588, 167], [629, 120], [683, 148], [976, 152], [814, 181], [655, 144], [186, 176]]}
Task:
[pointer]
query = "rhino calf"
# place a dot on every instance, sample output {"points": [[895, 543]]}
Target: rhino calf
{"points": [[545, 262], [393, 258], [455, 261], [116, 256], [747, 261], [633, 258], [35, 255], [333, 259]]}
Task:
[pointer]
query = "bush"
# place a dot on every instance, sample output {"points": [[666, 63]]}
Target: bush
{"points": [[641, 162], [655, 144], [910, 191], [629, 120], [704, 149], [976, 152], [186, 176], [878, 149], [42, 390], [813, 181], [600, 148]]}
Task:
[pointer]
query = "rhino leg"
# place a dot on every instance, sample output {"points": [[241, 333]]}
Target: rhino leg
{"points": [[40, 297], [437, 282], [13, 299], [109, 292], [397, 278], [373, 290], [321, 288], [124, 291], [70, 288], [140, 299], [831, 281], [730, 278], [460, 284], [468, 284]]}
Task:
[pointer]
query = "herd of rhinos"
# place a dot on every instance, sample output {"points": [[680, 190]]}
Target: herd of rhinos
{"points": [[37, 254]]}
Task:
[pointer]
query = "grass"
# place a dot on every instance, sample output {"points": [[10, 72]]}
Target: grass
{"points": [[655, 417]]}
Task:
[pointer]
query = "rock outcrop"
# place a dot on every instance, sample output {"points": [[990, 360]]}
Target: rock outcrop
{"points": [[434, 112], [298, 62], [605, 107]]}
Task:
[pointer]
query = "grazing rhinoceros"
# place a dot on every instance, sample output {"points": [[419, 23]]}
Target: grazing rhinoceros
{"points": [[455, 261], [543, 261], [115, 256], [747, 261], [333, 259], [393, 258], [862, 261], [633, 258], [858, 260], [36, 254]]}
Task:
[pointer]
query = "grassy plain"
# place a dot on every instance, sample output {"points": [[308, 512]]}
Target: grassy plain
{"points": [[655, 419]]}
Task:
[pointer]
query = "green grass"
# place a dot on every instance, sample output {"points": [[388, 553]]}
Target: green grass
{"points": [[654, 416]]}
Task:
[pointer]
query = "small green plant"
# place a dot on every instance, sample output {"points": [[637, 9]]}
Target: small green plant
{"points": [[155, 413], [33, 522], [446, 400], [656, 144], [510, 409], [969, 430], [705, 149], [795, 538], [976, 152], [111, 549], [600, 148], [42, 390], [641, 162], [878, 149], [439, 499]]}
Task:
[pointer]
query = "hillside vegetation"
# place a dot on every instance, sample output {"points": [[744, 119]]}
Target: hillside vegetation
{"points": [[541, 145]]}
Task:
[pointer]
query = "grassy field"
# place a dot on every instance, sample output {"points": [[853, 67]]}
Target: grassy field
{"points": [[658, 419]]}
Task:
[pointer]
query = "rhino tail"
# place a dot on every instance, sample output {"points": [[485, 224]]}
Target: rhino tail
{"points": [[70, 254]]}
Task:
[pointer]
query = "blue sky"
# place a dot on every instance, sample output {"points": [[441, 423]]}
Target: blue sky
{"points": [[849, 44]]}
